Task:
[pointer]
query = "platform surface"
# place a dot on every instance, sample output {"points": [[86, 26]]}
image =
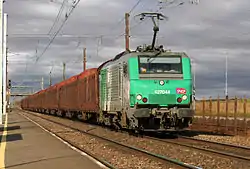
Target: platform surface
{"points": [[27, 146]]}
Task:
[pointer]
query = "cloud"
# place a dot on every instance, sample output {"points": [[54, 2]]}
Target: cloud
{"points": [[207, 32]]}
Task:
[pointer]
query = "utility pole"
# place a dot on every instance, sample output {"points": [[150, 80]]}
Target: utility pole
{"points": [[127, 31], [84, 59], [1, 61], [226, 91], [50, 79], [37, 47], [64, 65], [4, 63], [42, 84]]}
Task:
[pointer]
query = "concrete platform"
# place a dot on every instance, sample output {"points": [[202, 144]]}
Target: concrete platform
{"points": [[27, 146]]}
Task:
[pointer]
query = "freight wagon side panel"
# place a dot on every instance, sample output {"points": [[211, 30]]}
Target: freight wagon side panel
{"points": [[40, 101], [68, 94], [28, 103], [25, 104], [37, 102], [82, 81], [88, 94], [51, 99], [93, 95], [32, 101], [59, 94], [63, 97], [60, 97], [44, 101], [70, 100]]}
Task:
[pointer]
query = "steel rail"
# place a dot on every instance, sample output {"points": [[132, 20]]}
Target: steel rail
{"points": [[223, 153], [174, 161], [216, 143], [105, 163]]}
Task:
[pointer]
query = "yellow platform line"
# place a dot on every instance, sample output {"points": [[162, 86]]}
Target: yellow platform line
{"points": [[3, 144]]}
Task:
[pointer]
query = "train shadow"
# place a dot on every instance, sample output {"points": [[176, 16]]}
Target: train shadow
{"points": [[192, 133], [187, 133], [162, 135]]}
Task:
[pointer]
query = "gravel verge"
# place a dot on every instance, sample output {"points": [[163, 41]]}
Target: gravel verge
{"points": [[176, 152], [237, 140]]}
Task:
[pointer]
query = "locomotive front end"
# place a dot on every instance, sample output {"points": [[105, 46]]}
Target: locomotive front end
{"points": [[161, 91]]}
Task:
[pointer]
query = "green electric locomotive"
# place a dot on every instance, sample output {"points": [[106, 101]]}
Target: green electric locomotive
{"points": [[147, 90]]}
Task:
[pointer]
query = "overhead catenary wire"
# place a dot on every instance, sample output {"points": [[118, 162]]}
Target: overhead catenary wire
{"points": [[87, 36], [138, 2], [130, 11], [70, 36], [58, 16], [55, 35], [66, 18]]}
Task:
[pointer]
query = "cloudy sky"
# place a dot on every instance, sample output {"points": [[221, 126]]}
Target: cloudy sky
{"points": [[207, 32]]}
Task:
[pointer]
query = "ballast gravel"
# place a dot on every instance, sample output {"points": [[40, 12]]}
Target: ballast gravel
{"points": [[126, 160], [117, 156], [236, 140]]}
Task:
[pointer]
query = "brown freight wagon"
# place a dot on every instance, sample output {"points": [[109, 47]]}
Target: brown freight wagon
{"points": [[68, 94], [51, 99], [79, 93], [24, 103], [41, 100], [32, 102], [88, 91], [27, 102], [35, 102]]}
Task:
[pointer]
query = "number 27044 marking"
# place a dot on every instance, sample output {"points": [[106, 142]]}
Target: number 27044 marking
{"points": [[162, 91]]}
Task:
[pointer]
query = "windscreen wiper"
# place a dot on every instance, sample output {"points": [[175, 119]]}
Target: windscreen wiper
{"points": [[154, 56]]}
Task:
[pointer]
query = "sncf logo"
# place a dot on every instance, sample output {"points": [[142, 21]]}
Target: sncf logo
{"points": [[181, 91]]}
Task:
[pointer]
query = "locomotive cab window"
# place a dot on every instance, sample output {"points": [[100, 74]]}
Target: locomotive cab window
{"points": [[161, 64]]}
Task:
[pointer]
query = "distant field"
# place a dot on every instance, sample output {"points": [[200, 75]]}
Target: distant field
{"points": [[211, 107]]}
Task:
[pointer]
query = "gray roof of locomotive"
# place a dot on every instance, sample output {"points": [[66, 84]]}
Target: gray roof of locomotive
{"points": [[120, 58]]}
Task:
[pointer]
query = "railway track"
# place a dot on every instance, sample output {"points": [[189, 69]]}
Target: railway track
{"points": [[230, 148], [173, 162], [73, 146], [227, 150]]}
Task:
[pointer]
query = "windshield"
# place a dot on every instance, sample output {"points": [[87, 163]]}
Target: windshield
{"points": [[160, 64]]}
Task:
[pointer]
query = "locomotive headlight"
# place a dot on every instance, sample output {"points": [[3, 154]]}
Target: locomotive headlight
{"points": [[138, 97], [162, 82], [184, 97]]}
